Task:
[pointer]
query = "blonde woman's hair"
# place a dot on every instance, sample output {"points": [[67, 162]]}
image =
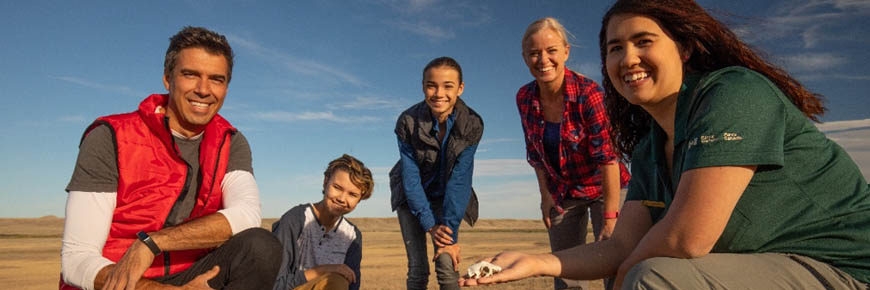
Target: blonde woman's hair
{"points": [[546, 23]]}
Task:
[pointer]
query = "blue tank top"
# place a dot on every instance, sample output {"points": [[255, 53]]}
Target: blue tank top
{"points": [[551, 143]]}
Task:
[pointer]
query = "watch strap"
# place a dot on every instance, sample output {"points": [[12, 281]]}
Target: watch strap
{"points": [[146, 239]]}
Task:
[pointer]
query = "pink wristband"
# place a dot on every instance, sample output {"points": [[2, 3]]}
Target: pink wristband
{"points": [[611, 214]]}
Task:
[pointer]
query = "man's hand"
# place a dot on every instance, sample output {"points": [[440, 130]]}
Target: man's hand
{"points": [[607, 230], [201, 281], [324, 269], [454, 252], [515, 266], [441, 235], [130, 268], [547, 204]]}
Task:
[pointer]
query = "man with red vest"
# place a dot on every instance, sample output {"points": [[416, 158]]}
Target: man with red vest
{"points": [[165, 196]]}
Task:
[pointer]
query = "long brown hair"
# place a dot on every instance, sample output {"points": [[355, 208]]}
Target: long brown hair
{"points": [[713, 47]]}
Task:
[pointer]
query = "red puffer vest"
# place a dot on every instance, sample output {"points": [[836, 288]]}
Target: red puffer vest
{"points": [[152, 175]]}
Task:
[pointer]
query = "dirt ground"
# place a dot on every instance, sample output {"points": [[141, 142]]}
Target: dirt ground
{"points": [[30, 251]]}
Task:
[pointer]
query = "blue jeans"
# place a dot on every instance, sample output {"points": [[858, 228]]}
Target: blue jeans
{"points": [[418, 261]]}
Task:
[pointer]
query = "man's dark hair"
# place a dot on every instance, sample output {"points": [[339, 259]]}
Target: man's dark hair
{"points": [[190, 37]]}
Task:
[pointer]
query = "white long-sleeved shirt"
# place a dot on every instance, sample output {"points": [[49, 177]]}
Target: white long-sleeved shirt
{"points": [[89, 217]]}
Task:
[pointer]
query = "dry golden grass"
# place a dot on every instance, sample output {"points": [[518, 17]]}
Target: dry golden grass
{"points": [[30, 251]]}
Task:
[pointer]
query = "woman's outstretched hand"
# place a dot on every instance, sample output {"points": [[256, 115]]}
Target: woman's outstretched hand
{"points": [[515, 266]]}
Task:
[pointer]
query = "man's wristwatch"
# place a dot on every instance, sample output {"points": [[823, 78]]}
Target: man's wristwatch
{"points": [[146, 239]]}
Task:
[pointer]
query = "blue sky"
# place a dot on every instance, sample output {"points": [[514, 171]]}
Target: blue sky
{"points": [[315, 79]]}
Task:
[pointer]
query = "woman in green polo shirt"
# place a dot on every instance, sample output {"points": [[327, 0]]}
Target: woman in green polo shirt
{"points": [[732, 185]]}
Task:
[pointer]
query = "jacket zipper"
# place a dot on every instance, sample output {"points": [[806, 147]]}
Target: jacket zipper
{"points": [[216, 162], [166, 261]]}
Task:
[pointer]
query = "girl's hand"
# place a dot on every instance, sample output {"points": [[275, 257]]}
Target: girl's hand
{"points": [[441, 235]]}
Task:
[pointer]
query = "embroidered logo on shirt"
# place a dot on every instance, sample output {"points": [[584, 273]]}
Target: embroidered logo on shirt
{"points": [[731, 136], [706, 139]]}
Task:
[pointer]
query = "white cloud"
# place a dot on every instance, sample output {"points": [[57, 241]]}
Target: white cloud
{"points": [[425, 29], [820, 35], [851, 77], [295, 64], [852, 136], [843, 125], [516, 199], [436, 20], [827, 76], [101, 86], [407, 6], [813, 11], [816, 21], [502, 167], [283, 116], [370, 103], [813, 35], [809, 62]]}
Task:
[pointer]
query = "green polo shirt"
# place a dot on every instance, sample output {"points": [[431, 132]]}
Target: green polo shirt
{"points": [[807, 196]]}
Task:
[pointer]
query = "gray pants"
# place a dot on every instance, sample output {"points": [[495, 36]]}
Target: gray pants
{"points": [[738, 271], [418, 261], [569, 230]]}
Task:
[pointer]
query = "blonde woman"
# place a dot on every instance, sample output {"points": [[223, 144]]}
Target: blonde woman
{"points": [[567, 143]]}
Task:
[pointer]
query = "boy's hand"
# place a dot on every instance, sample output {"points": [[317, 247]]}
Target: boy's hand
{"points": [[324, 269]]}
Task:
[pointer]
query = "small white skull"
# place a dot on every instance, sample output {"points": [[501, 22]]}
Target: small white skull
{"points": [[482, 269]]}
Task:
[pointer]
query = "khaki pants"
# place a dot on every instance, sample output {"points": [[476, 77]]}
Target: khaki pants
{"points": [[331, 281], [738, 271]]}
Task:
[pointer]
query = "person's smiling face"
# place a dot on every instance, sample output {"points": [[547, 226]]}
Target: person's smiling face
{"points": [[340, 195], [197, 87], [441, 90], [643, 62], [545, 54]]}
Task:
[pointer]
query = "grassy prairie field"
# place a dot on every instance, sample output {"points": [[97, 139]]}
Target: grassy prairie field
{"points": [[30, 251]]}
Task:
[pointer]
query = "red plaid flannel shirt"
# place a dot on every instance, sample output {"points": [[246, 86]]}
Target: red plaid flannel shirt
{"points": [[585, 140]]}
